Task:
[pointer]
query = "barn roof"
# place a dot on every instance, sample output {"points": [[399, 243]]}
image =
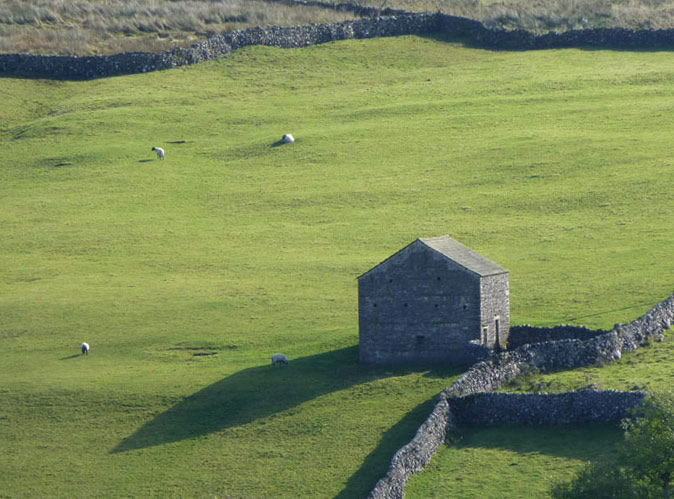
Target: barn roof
{"points": [[456, 252], [464, 256]]}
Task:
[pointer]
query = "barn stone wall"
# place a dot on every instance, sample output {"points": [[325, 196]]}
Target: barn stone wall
{"points": [[395, 23], [490, 375], [495, 298], [409, 312]]}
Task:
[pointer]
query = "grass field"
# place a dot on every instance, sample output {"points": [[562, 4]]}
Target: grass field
{"points": [[185, 275], [511, 462]]}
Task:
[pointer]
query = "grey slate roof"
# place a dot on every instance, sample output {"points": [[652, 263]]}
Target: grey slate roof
{"points": [[456, 252], [462, 255]]}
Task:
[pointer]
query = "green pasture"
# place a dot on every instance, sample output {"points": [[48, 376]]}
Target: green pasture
{"points": [[511, 462], [185, 275]]}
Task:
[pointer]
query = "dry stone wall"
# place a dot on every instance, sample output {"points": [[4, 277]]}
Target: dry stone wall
{"points": [[71, 67], [375, 23], [469, 392], [576, 407], [413, 457], [526, 334]]}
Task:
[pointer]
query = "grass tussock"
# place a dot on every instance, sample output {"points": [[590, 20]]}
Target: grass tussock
{"points": [[112, 26]]}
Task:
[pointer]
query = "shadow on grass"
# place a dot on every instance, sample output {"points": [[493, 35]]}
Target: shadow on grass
{"points": [[377, 462], [145, 160], [73, 356], [255, 393], [586, 442]]}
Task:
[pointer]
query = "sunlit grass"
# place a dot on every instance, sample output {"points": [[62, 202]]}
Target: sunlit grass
{"points": [[511, 462], [554, 164]]}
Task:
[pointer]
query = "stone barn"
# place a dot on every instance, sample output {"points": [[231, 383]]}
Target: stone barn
{"points": [[434, 301]]}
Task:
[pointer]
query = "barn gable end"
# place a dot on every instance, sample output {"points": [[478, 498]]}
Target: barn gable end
{"points": [[434, 301]]}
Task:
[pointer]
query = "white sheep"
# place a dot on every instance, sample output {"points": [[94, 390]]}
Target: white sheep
{"points": [[159, 151], [287, 138], [279, 358], [85, 348]]}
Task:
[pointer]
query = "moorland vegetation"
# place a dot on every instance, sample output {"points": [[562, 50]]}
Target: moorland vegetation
{"points": [[88, 27], [547, 15]]}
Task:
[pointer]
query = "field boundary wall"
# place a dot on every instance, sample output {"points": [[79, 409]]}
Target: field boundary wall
{"points": [[574, 407], [469, 392], [372, 24], [525, 334]]}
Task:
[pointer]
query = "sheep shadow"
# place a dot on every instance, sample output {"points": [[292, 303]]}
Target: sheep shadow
{"points": [[145, 160], [255, 393], [73, 356]]}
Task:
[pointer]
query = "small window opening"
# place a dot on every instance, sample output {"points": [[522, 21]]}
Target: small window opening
{"points": [[421, 339], [436, 305], [374, 305], [405, 305], [465, 307]]}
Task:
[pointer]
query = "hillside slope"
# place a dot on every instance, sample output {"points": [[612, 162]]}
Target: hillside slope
{"points": [[185, 275]]}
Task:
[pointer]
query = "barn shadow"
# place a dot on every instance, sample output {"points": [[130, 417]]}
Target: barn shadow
{"points": [[256, 393]]}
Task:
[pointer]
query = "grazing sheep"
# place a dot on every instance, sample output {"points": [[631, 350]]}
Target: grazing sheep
{"points": [[287, 138], [279, 358], [159, 151], [85, 348]]}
